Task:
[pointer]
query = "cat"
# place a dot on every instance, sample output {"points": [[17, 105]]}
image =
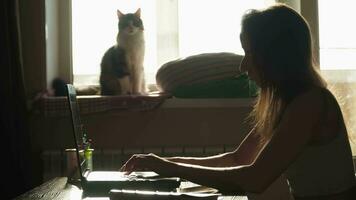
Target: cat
{"points": [[122, 65]]}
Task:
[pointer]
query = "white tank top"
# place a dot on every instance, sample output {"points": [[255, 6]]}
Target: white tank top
{"points": [[323, 169]]}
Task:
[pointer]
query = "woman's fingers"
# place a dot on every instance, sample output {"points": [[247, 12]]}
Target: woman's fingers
{"points": [[128, 165], [124, 166], [141, 162], [133, 164]]}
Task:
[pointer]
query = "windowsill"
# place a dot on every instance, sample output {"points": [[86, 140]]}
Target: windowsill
{"points": [[57, 106], [339, 76]]}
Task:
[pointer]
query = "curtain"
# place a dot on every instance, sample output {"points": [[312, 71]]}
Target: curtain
{"points": [[14, 130]]}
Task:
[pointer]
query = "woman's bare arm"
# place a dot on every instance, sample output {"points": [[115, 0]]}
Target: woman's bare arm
{"points": [[243, 155]]}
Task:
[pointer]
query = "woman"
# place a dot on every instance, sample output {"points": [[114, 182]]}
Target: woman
{"points": [[299, 128]]}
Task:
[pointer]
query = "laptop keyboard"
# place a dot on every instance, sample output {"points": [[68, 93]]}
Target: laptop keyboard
{"points": [[119, 176]]}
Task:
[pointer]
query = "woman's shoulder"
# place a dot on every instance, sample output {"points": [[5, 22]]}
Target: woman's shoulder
{"points": [[317, 95], [319, 99], [311, 98], [304, 110]]}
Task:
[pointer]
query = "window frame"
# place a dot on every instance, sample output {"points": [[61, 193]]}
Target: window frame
{"points": [[60, 15]]}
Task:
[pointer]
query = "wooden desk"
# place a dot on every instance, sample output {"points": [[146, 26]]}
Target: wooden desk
{"points": [[58, 189]]}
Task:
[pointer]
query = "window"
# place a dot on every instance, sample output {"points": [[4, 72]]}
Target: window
{"points": [[173, 29], [177, 28], [337, 43], [338, 56]]}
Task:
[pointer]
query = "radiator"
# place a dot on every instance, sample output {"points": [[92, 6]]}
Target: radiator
{"points": [[54, 161]]}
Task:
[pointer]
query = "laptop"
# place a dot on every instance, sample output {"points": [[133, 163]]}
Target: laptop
{"points": [[101, 182]]}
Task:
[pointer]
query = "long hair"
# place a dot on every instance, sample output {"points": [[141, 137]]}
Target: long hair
{"points": [[281, 46]]}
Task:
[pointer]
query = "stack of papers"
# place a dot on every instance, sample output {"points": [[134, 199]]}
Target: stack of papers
{"points": [[148, 195]]}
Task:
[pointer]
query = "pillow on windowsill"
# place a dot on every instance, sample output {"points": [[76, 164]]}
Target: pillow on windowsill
{"points": [[209, 75]]}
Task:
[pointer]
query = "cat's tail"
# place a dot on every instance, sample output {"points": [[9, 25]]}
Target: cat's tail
{"points": [[58, 86]]}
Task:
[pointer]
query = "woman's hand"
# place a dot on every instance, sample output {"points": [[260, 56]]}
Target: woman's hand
{"points": [[142, 162]]}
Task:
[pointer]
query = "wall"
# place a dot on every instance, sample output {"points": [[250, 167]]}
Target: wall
{"points": [[173, 129], [159, 127]]}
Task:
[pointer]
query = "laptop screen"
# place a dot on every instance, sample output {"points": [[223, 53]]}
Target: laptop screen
{"points": [[80, 137]]}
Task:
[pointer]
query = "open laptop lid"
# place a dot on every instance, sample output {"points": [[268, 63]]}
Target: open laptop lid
{"points": [[78, 131]]}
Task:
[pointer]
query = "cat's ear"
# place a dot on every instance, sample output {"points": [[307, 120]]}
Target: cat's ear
{"points": [[138, 13], [119, 14]]}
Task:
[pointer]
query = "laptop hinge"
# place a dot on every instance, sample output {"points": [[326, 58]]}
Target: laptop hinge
{"points": [[86, 173]]}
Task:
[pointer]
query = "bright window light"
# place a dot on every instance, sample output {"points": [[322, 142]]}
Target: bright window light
{"points": [[212, 25], [337, 34], [200, 26]]}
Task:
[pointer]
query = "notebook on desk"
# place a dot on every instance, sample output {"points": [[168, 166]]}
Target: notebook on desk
{"points": [[101, 182]]}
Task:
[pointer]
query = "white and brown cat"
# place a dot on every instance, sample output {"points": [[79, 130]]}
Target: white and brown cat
{"points": [[122, 69]]}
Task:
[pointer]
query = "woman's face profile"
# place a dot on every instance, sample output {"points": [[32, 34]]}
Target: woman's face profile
{"points": [[248, 64]]}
